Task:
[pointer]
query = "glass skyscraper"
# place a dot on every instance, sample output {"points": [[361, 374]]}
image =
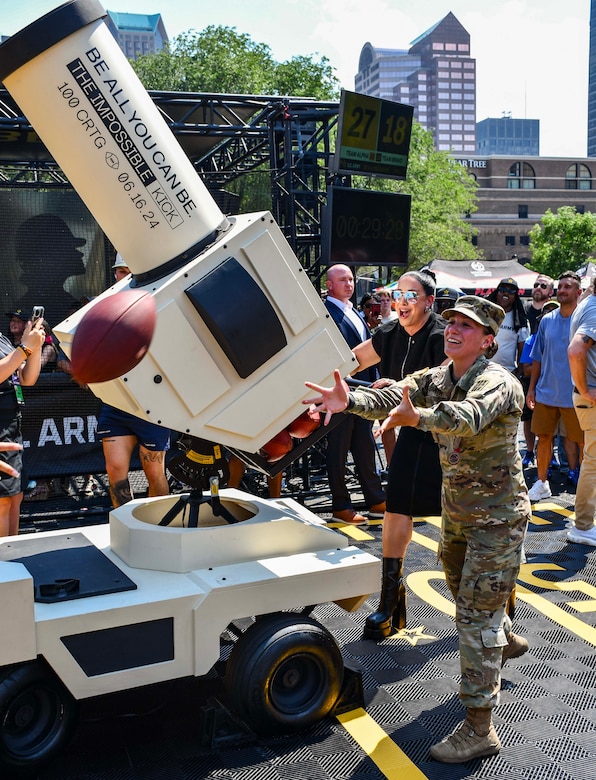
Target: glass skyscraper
{"points": [[508, 136], [436, 76]]}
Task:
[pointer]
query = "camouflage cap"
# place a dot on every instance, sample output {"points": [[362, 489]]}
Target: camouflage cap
{"points": [[481, 310]]}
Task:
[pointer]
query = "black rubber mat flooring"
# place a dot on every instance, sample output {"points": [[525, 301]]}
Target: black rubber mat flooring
{"points": [[546, 719]]}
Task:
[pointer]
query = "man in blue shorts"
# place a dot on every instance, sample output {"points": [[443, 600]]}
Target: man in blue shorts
{"points": [[119, 433]]}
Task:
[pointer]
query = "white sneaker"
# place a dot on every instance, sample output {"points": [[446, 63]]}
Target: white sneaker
{"points": [[539, 490], [582, 537]]}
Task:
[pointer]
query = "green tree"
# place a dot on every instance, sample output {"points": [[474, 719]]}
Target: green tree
{"points": [[562, 241], [220, 59], [442, 193]]}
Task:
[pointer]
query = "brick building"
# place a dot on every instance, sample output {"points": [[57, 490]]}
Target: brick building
{"points": [[514, 193]]}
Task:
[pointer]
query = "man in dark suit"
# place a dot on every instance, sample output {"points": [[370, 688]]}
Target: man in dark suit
{"points": [[353, 434]]}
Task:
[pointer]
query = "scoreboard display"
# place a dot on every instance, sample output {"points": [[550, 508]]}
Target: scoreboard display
{"points": [[373, 136], [365, 227]]}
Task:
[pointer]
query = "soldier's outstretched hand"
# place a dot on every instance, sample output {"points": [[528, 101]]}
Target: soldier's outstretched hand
{"points": [[331, 399]]}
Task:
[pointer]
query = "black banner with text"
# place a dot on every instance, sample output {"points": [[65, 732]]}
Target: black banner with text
{"points": [[59, 425]]}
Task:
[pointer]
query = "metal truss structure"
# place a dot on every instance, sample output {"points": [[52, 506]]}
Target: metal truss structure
{"points": [[225, 137]]}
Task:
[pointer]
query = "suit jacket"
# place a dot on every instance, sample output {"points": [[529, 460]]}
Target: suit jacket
{"points": [[352, 336]]}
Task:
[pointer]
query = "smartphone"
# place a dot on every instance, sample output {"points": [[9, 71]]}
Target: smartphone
{"points": [[38, 314]]}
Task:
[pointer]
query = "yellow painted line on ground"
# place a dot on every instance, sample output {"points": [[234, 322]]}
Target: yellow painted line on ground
{"points": [[425, 541], [549, 506], [356, 532], [552, 611], [390, 759]]}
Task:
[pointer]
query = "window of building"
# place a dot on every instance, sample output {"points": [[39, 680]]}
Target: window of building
{"points": [[450, 47], [521, 176], [524, 240], [578, 177], [522, 211], [474, 240], [580, 209], [509, 240]]}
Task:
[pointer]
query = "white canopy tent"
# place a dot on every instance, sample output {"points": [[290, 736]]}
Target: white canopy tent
{"points": [[480, 277]]}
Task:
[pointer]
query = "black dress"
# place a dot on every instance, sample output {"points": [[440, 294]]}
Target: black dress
{"points": [[414, 483]]}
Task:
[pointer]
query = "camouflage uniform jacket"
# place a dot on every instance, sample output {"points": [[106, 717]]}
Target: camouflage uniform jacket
{"points": [[475, 422]]}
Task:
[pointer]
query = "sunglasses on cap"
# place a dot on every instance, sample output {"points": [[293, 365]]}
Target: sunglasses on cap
{"points": [[507, 289], [544, 285], [409, 296]]}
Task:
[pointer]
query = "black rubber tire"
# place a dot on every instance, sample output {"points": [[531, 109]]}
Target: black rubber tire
{"points": [[285, 673], [37, 717]]}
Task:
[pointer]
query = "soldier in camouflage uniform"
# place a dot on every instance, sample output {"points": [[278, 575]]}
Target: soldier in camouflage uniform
{"points": [[473, 407]]}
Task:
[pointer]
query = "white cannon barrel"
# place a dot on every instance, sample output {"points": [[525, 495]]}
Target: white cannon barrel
{"points": [[77, 89]]}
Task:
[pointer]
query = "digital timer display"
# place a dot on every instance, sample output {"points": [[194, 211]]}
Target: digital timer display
{"points": [[373, 136], [364, 227]]}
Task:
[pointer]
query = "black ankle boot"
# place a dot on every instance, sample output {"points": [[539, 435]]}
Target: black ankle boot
{"points": [[391, 614]]}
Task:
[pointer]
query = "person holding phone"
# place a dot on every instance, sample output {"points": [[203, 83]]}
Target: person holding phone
{"points": [[20, 365]]}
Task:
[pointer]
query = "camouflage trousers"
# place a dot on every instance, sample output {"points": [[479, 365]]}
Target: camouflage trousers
{"points": [[481, 565]]}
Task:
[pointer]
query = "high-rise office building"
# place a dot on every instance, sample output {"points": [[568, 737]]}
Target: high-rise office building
{"points": [[137, 34], [436, 75], [508, 136], [592, 83]]}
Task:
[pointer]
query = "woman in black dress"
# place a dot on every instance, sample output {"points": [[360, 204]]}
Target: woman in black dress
{"points": [[412, 342]]}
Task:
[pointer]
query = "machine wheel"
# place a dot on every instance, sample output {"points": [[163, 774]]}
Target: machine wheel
{"points": [[285, 673], [37, 717]]}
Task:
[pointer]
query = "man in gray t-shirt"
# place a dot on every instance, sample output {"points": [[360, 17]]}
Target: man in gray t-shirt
{"points": [[582, 360]]}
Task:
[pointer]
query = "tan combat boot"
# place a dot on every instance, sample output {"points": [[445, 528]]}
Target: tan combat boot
{"points": [[516, 646], [473, 738]]}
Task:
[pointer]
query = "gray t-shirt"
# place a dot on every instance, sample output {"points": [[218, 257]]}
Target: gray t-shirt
{"points": [[583, 321]]}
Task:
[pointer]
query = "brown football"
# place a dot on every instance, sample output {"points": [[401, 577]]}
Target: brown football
{"points": [[278, 446], [304, 425], [113, 336]]}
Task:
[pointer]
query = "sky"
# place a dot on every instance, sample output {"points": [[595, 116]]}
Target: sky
{"points": [[531, 55]]}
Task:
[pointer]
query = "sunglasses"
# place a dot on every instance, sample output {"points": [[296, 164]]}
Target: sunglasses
{"points": [[544, 285], [510, 290], [409, 296]]}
